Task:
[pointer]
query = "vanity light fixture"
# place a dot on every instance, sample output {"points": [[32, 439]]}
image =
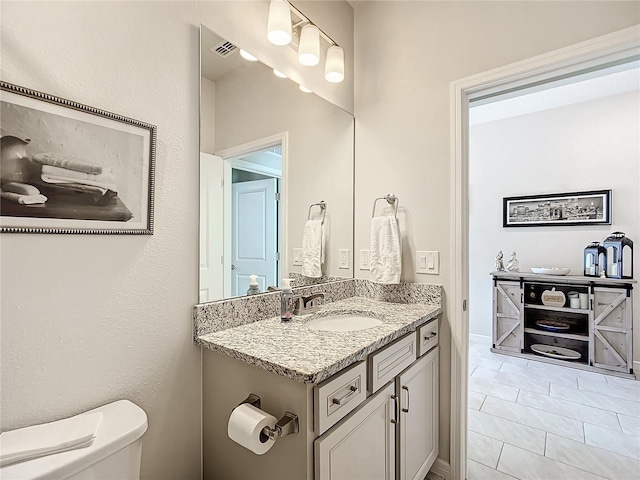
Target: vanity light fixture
{"points": [[279, 74], [279, 23], [247, 56], [304, 89], [286, 22]]}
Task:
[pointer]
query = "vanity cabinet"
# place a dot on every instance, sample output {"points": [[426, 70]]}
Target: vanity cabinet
{"points": [[394, 433], [598, 334]]}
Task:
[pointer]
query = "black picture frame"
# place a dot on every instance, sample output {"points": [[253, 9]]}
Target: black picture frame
{"points": [[70, 168], [557, 209]]}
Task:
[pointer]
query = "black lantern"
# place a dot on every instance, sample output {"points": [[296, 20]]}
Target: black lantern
{"points": [[595, 260], [619, 256]]}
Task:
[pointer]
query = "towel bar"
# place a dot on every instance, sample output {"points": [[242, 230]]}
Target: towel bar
{"points": [[391, 200], [323, 207]]}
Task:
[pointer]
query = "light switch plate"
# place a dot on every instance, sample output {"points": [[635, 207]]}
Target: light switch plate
{"points": [[365, 259], [428, 262], [344, 258], [297, 257]]}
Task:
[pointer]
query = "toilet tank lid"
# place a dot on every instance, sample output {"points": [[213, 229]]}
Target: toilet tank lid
{"points": [[123, 422]]}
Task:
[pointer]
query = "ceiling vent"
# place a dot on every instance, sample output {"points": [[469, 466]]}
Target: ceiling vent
{"points": [[224, 48]]}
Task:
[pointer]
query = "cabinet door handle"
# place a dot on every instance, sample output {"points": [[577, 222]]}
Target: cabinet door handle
{"points": [[352, 390], [406, 410], [430, 336], [395, 409]]}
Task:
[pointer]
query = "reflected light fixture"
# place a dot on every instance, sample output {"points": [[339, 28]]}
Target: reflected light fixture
{"points": [[279, 23], [279, 74], [304, 89], [334, 66], [309, 48], [247, 56]]}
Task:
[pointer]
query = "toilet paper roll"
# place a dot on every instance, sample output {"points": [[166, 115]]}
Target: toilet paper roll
{"points": [[245, 428]]}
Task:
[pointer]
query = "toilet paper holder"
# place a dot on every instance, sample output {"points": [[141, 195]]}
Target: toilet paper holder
{"points": [[287, 425]]}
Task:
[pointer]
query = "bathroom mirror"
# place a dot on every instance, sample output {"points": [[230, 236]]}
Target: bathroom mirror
{"points": [[269, 154]]}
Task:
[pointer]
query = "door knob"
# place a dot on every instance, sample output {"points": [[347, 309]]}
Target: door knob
{"points": [[233, 267]]}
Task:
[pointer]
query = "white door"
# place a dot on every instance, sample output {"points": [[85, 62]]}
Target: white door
{"points": [[418, 434], [211, 228], [362, 447], [254, 237]]}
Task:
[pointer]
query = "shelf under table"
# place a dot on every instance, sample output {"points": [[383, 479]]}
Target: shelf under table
{"points": [[556, 309], [572, 336]]}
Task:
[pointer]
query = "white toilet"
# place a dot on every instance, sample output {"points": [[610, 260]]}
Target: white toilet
{"points": [[114, 454]]}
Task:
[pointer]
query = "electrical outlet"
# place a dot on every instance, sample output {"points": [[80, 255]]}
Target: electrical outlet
{"points": [[344, 258], [428, 262], [365, 259], [297, 257]]}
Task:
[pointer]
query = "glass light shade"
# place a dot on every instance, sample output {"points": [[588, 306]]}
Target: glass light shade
{"points": [[279, 24], [247, 56], [334, 67], [304, 89], [279, 74], [309, 49]]}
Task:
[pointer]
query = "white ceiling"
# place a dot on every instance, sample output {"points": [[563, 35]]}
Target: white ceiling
{"points": [[613, 81]]}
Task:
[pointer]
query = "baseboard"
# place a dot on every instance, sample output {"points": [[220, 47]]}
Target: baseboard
{"points": [[484, 338], [440, 470], [636, 369]]}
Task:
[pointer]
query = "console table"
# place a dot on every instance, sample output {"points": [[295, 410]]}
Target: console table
{"points": [[601, 333]]}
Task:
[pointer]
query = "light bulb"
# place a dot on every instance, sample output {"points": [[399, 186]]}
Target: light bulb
{"points": [[334, 67], [309, 49], [247, 56], [279, 74], [279, 23], [304, 89]]}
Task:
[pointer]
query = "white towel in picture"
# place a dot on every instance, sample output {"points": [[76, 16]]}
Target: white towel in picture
{"points": [[386, 255], [49, 438], [313, 249]]}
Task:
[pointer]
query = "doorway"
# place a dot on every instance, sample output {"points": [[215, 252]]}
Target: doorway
{"points": [[591, 55]]}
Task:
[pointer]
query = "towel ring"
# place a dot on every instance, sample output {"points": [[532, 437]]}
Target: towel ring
{"points": [[323, 207], [391, 200]]}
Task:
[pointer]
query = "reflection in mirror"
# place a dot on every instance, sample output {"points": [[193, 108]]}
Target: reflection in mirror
{"points": [[268, 152]]}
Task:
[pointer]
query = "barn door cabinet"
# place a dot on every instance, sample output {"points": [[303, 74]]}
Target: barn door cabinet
{"points": [[601, 331]]}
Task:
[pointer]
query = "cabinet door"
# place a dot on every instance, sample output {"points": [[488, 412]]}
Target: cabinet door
{"points": [[362, 446], [418, 428], [507, 316], [612, 329]]}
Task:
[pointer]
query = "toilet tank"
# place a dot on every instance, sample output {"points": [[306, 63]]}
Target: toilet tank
{"points": [[114, 454]]}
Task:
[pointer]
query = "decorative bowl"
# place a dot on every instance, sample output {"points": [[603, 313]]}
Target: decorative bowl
{"points": [[550, 270]]}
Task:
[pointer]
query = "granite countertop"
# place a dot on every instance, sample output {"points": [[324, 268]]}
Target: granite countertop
{"points": [[295, 351]]}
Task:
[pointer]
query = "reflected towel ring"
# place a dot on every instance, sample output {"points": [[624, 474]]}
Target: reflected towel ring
{"points": [[323, 208], [391, 200]]}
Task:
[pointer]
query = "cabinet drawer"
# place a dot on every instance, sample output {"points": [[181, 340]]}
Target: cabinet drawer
{"points": [[387, 362], [339, 395], [427, 337]]}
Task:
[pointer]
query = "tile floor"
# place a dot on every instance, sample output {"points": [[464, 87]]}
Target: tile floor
{"points": [[533, 420]]}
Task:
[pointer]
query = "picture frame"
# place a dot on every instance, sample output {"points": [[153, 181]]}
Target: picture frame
{"points": [[70, 168], [557, 209]]}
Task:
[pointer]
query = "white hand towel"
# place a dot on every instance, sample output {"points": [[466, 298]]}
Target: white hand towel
{"points": [[313, 249], [386, 255], [49, 438]]}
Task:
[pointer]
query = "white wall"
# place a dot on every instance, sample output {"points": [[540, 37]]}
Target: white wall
{"points": [[591, 145], [90, 319], [406, 56]]}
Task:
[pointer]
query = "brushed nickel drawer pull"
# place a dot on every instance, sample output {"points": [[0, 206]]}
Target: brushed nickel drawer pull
{"points": [[395, 409], [430, 336], [352, 390], [406, 410]]}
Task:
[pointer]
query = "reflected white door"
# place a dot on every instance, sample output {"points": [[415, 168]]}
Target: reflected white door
{"points": [[211, 227], [254, 240]]}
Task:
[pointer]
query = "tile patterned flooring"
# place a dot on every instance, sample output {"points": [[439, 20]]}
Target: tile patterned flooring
{"points": [[531, 420]]}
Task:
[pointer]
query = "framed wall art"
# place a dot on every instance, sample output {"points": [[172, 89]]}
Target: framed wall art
{"points": [[70, 168], [557, 209]]}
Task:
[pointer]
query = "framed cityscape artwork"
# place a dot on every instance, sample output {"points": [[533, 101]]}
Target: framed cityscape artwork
{"points": [[556, 209], [70, 168]]}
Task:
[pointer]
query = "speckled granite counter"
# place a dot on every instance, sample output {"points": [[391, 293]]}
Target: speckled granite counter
{"points": [[309, 356]]}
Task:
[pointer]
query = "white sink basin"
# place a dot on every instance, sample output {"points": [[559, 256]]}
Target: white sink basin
{"points": [[343, 323]]}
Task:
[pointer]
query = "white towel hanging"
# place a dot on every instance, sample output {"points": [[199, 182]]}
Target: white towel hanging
{"points": [[313, 248], [386, 253]]}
